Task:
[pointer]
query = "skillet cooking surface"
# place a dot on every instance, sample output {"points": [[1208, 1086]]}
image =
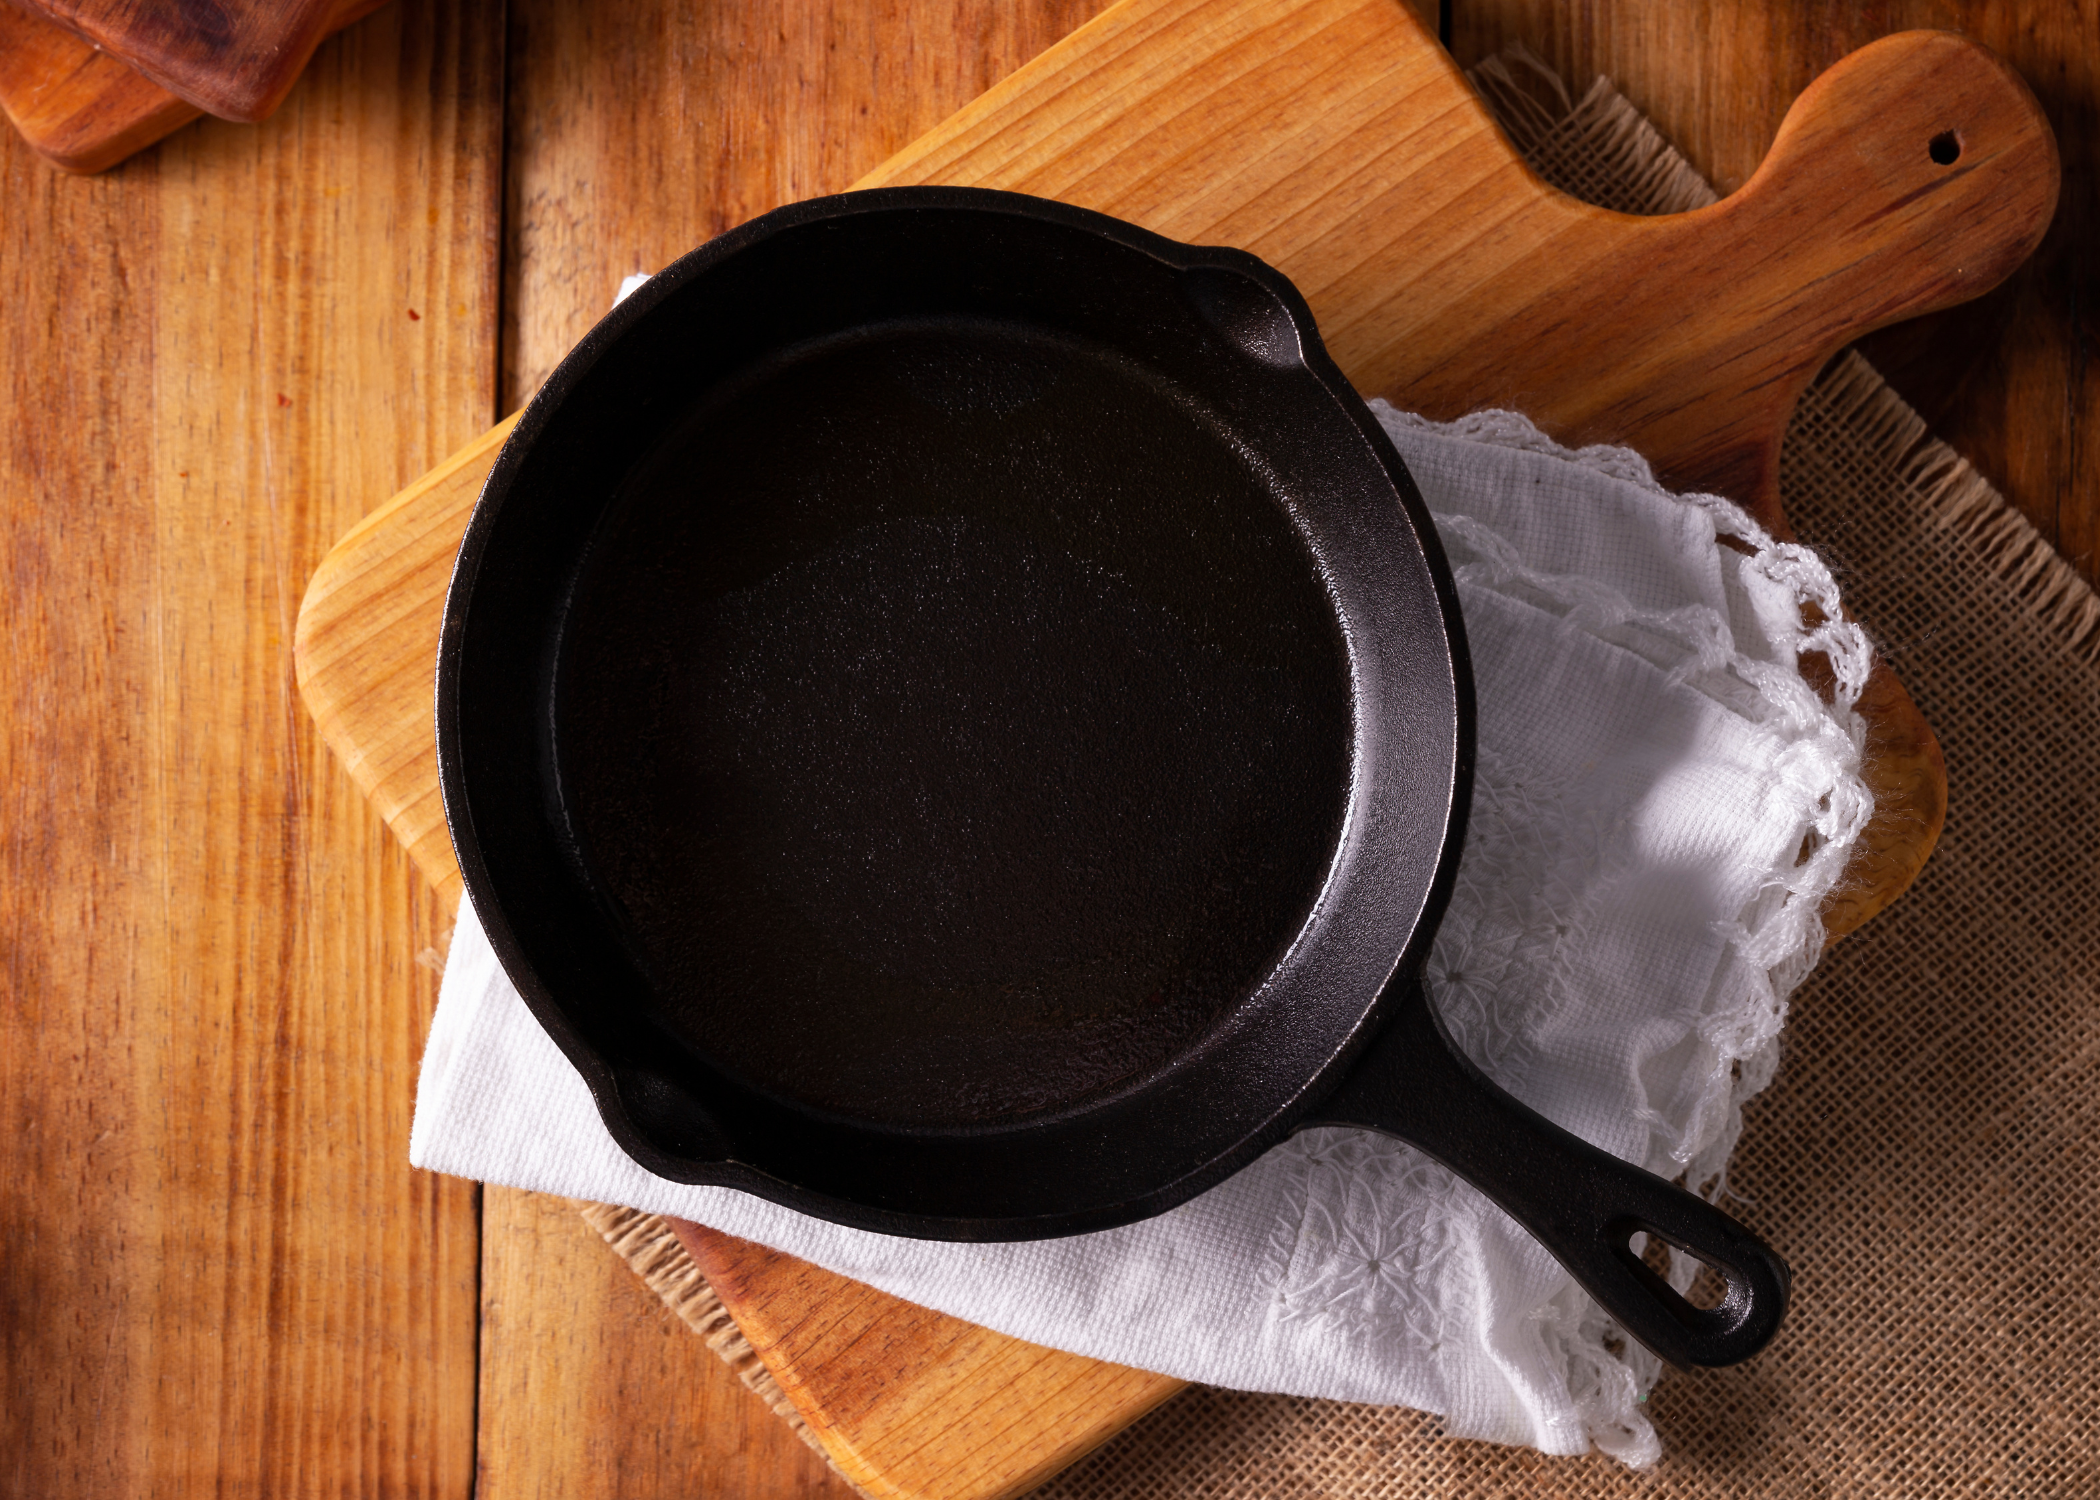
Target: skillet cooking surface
{"points": [[950, 716], [955, 720]]}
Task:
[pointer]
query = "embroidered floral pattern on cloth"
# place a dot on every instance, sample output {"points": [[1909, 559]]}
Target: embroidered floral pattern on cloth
{"points": [[1662, 803]]}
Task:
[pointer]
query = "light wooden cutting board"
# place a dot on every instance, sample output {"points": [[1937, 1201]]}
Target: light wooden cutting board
{"points": [[1335, 139]]}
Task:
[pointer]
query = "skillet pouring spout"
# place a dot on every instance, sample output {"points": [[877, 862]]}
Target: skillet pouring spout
{"points": [[1584, 1205]]}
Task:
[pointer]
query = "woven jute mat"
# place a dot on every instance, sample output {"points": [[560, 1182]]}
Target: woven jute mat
{"points": [[1925, 1158]]}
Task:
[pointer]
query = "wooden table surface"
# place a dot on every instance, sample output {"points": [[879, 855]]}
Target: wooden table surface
{"points": [[218, 1274]]}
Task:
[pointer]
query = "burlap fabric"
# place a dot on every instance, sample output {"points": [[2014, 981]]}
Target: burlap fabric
{"points": [[1924, 1159]]}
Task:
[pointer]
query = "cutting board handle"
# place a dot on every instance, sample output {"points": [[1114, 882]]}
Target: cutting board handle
{"points": [[1916, 173], [1924, 158], [1695, 333]]}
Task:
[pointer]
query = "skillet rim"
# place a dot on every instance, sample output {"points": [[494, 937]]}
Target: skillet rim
{"points": [[597, 1072]]}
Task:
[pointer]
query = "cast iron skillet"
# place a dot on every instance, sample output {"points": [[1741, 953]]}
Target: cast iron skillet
{"points": [[955, 718]]}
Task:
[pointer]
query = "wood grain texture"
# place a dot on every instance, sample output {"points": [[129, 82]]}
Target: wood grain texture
{"points": [[84, 109], [1438, 265], [236, 59], [2010, 379], [600, 1390], [219, 1277], [377, 643], [912, 1403], [640, 132]]}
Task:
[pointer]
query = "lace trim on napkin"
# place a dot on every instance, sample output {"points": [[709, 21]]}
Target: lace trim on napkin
{"points": [[1344, 1263]]}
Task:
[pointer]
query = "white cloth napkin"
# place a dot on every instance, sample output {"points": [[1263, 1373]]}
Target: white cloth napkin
{"points": [[1633, 907]]}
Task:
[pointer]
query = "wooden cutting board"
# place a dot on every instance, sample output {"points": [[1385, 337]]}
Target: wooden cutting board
{"points": [[232, 58], [1335, 139], [85, 109]]}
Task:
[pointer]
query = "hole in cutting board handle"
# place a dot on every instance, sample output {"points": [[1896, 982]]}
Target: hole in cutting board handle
{"points": [[1945, 148]]}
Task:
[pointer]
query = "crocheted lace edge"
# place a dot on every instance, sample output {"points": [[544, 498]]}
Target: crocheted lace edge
{"points": [[1778, 940]]}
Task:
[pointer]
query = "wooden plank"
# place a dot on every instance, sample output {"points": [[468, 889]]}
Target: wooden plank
{"points": [[601, 1390], [641, 132], [2007, 379], [220, 1276]]}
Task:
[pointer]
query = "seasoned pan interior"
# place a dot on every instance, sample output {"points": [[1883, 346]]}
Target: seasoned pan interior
{"points": [[949, 714], [952, 720]]}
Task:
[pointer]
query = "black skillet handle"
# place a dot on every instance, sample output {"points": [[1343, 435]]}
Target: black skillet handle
{"points": [[1581, 1203]]}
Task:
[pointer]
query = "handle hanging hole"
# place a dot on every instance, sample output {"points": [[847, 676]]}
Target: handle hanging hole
{"points": [[1708, 1289], [1945, 148]]}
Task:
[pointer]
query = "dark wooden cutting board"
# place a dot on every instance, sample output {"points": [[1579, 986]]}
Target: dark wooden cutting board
{"points": [[86, 109], [232, 58], [1335, 139]]}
